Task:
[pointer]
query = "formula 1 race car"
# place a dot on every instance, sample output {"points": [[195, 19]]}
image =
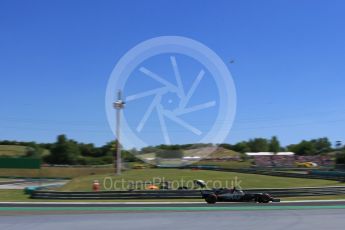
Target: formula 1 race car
{"points": [[235, 195]]}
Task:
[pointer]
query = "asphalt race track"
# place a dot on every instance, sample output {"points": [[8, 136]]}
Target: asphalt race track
{"points": [[296, 215], [168, 204], [268, 220], [23, 183]]}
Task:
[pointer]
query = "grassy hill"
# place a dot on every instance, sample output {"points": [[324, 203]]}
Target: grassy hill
{"points": [[222, 152], [13, 150], [210, 152]]}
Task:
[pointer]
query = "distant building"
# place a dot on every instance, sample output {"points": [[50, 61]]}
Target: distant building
{"points": [[270, 154], [285, 153]]}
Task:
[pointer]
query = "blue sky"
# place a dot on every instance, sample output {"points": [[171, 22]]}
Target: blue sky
{"points": [[56, 58]]}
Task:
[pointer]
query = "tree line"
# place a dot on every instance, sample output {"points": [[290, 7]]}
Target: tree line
{"points": [[305, 147], [69, 151]]}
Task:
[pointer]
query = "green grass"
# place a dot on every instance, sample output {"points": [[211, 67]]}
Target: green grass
{"points": [[12, 150], [17, 151], [62, 172], [5, 179], [13, 195], [180, 177]]}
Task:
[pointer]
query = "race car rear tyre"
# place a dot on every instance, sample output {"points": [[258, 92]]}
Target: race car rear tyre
{"points": [[267, 198], [211, 199]]}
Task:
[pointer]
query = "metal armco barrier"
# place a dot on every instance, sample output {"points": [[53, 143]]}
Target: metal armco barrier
{"points": [[176, 194], [142, 194]]}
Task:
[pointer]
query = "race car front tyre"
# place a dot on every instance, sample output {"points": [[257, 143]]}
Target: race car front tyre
{"points": [[263, 199]]}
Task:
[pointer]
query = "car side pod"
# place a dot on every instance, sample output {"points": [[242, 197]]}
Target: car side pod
{"points": [[275, 200]]}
